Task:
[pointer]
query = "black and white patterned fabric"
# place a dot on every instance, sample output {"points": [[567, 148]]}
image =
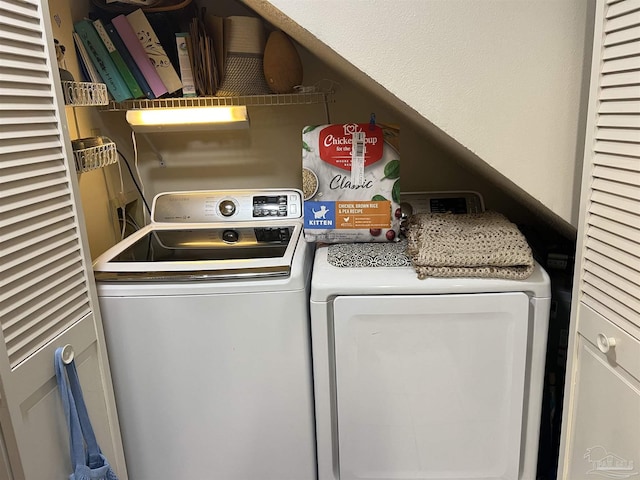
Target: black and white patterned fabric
{"points": [[358, 255]]}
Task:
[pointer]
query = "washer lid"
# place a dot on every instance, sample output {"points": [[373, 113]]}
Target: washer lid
{"points": [[201, 251], [210, 234]]}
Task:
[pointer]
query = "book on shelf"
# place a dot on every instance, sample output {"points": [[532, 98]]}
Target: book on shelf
{"points": [[203, 59], [214, 27], [137, 52], [129, 61], [89, 72], [154, 50], [186, 74], [101, 59], [118, 60]]}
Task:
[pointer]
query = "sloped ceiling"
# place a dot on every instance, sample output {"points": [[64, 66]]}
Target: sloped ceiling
{"points": [[503, 79]]}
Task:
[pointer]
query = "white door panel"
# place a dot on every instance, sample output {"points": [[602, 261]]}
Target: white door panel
{"points": [[430, 386], [605, 438], [43, 437]]}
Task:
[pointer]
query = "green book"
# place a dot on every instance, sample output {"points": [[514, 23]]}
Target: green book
{"points": [[102, 61], [119, 62]]}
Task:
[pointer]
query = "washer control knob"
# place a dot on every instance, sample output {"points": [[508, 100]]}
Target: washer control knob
{"points": [[230, 236], [227, 208], [605, 343]]}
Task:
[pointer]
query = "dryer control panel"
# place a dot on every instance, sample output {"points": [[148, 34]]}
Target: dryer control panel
{"points": [[215, 206], [441, 202]]}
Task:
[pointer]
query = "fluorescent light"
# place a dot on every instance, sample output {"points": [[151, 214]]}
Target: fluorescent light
{"points": [[188, 118]]}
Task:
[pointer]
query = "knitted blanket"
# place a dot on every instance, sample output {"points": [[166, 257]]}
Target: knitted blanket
{"points": [[482, 244]]}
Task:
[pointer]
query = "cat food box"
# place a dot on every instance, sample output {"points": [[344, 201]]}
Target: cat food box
{"points": [[351, 183]]}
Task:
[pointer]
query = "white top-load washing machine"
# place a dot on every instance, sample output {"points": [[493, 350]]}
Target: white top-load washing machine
{"points": [[206, 321], [436, 379]]}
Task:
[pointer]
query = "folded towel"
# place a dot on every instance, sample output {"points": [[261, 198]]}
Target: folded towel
{"points": [[482, 244]]}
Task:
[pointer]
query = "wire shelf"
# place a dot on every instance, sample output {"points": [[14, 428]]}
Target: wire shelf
{"points": [[282, 99], [98, 156], [85, 94]]}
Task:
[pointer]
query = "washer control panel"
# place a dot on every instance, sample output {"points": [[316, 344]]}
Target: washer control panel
{"points": [[226, 206], [270, 206]]}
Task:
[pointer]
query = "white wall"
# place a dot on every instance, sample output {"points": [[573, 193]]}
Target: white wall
{"points": [[504, 78]]}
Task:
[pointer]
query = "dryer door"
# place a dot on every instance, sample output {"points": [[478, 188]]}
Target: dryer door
{"points": [[430, 386]]}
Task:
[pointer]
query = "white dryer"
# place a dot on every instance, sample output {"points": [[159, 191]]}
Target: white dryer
{"points": [[206, 321], [436, 379]]}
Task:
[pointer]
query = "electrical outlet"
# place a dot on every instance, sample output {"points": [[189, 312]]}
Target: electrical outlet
{"points": [[122, 199], [125, 205]]}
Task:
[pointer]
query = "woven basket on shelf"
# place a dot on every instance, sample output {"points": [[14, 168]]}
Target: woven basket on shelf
{"points": [[243, 71]]}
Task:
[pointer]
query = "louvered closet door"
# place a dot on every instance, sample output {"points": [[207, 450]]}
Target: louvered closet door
{"points": [[611, 266], [601, 418], [46, 297]]}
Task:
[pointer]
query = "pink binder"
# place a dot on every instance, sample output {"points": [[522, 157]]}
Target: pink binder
{"points": [[139, 55]]}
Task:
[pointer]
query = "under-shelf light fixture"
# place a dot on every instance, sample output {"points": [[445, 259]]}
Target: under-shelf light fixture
{"points": [[188, 118]]}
